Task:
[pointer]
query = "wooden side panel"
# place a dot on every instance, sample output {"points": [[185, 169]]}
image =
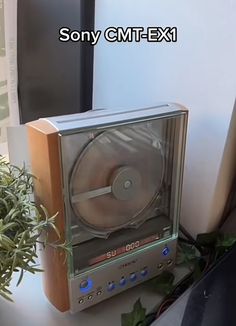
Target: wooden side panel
{"points": [[45, 159]]}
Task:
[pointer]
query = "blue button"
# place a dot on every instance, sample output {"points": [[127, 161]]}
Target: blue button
{"points": [[122, 281], [166, 251], [133, 277], [111, 286], [144, 272], [86, 286]]}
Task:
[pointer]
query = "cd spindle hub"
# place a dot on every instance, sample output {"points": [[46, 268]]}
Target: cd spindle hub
{"points": [[125, 183]]}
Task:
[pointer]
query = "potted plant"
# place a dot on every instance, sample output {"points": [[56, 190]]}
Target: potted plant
{"points": [[22, 226]]}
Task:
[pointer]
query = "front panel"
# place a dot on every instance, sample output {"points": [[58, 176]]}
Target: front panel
{"points": [[101, 283]]}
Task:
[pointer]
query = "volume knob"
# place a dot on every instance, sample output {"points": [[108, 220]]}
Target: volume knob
{"points": [[86, 285]]}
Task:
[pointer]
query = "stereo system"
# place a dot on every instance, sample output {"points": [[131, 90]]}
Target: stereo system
{"points": [[115, 179]]}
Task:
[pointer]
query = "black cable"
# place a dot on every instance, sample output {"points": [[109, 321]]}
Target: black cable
{"points": [[186, 241], [182, 285], [186, 233], [178, 289], [191, 239]]}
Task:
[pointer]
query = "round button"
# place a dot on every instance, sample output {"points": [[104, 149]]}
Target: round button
{"points": [[111, 286], [160, 266], [83, 284], [166, 251], [144, 272], [86, 285], [99, 292], [81, 301], [170, 262], [90, 297], [133, 277], [122, 281]]}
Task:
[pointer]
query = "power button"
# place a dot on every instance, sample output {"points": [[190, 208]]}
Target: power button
{"points": [[86, 285], [83, 284], [166, 251]]}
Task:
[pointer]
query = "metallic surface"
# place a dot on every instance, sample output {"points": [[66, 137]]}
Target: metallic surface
{"points": [[97, 119], [106, 279]]}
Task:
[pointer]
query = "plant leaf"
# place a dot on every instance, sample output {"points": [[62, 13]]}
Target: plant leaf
{"points": [[163, 283], [186, 254], [20, 277], [52, 225], [136, 316], [207, 239], [226, 241], [5, 296], [21, 225]]}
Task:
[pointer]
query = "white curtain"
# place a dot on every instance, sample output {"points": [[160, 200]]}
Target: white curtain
{"points": [[4, 103]]}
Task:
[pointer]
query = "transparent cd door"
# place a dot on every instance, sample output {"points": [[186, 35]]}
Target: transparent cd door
{"points": [[122, 183]]}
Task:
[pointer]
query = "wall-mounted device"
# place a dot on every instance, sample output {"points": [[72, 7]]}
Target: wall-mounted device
{"points": [[115, 178]]}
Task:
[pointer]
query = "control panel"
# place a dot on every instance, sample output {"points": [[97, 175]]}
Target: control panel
{"points": [[106, 281]]}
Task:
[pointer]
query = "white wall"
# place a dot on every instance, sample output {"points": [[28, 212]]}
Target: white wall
{"points": [[199, 71]]}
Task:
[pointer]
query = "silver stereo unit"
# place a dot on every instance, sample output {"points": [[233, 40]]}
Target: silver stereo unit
{"points": [[115, 177]]}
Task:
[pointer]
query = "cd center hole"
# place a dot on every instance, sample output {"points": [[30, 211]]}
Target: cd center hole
{"points": [[127, 184]]}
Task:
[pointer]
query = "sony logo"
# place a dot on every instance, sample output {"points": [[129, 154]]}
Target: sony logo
{"points": [[128, 264]]}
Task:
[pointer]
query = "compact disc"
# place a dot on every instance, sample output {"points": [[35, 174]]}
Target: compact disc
{"points": [[116, 177]]}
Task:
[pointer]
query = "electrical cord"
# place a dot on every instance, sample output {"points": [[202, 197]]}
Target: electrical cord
{"points": [[182, 285], [178, 289], [207, 256], [205, 262], [191, 239], [186, 241]]}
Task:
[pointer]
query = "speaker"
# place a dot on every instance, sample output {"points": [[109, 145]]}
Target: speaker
{"points": [[54, 78]]}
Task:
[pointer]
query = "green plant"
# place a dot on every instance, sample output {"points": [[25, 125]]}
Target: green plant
{"points": [[208, 248], [136, 316], [22, 226]]}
